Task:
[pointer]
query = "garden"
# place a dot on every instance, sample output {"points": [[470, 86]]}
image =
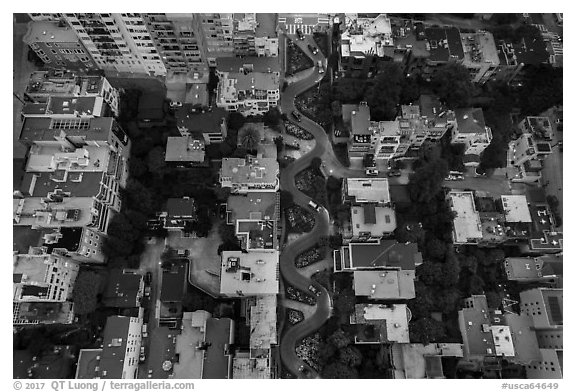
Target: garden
{"points": [[310, 256], [300, 220], [308, 350], [294, 316], [296, 59], [296, 131], [297, 295], [311, 181]]}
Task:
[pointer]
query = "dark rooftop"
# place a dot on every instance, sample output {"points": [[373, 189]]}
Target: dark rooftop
{"points": [[445, 44], [174, 283], [470, 120], [121, 289], [70, 239], [89, 186], [200, 122], [216, 362], [39, 128], [181, 208], [114, 347], [388, 253], [256, 64]]}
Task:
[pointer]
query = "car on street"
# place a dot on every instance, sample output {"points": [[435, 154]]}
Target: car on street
{"points": [[297, 115], [148, 277], [314, 205], [320, 66], [313, 49], [147, 291], [394, 173], [299, 34], [314, 290], [175, 104], [454, 178], [144, 330], [372, 172], [142, 354]]}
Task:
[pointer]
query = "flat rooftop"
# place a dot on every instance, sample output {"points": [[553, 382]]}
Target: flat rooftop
{"points": [[368, 190], [191, 360], [516, 208], [262, 64], [174, 281], [467, 225], [185, 149], [478, 341], [388, 253], [249, 273], [480, 48], [218, 355], [263, 333], [252, 206], [444, 44], [250, 171], [470, 120], [377, 221], [386, 285], [395, 317]]}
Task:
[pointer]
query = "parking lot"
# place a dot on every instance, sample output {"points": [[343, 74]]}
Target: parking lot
{"points": [[160, 346]]}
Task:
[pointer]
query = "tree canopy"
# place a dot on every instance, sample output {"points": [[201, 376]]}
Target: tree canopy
{"points": [[452, 84]]}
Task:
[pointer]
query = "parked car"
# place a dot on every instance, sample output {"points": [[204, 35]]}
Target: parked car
{"points": [[175, 104], [142, 354], [144, 332], [297, 115], [314, 290], [314, 205], [313, 49], [372, 172], [320, 66], [148, 277], [147, 291], [394, 173], [299, 34]]}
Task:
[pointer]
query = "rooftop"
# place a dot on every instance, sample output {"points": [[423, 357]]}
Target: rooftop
{"points": [[523, 337], [114, 347], [366, 35], [96, 128], [369, 218], [191, 359], [478, 340], [360, 120], [184, 149], [123, 290], [40, 184], [45, 31], [251, 273], [263, 333], [385, 285], [368, 190], [249, 171], [262, 64], [467, 225], [470, 120], [198, 122], [218, 357], [255, 81], [184, 207], [174, 281], [392, 319], [480, 48], [516, 208], [444, 43], [248, 368], [388, 253], [197, 94]]}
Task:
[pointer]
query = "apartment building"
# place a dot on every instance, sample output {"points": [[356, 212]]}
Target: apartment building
{"points": [[524, 158], [119, 356], [180, 42], [118, 43], [42, 287], [68, 107], [64, 83], [58, 46], [547, 269], [366, 41], [372, 216], [71, 187], [252, 93], [470, 129], [381, 324], [219, 35], [539, 126], [545, 307], [480, 55], [250, 174], [387, 255], [514, 56]]}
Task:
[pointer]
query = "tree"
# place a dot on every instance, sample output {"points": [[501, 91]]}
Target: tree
{"points": [[235, 121], [138, 196], [272, 117], [427, 181], [452, 84], [316, 163], [137, 167], [338, 370], [286, 198], [409, 233], [384, 94], [336, 107], [430, 273], [156, 161], [350, 356], [249, 138], [345, 301], [86, 289], [435, 248], [339, 339], [426, 330]]}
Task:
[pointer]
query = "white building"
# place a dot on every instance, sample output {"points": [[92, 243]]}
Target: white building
{"points": [[250, 174], [480, 55], [467, 224], [471, 130], [252, 93]]}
